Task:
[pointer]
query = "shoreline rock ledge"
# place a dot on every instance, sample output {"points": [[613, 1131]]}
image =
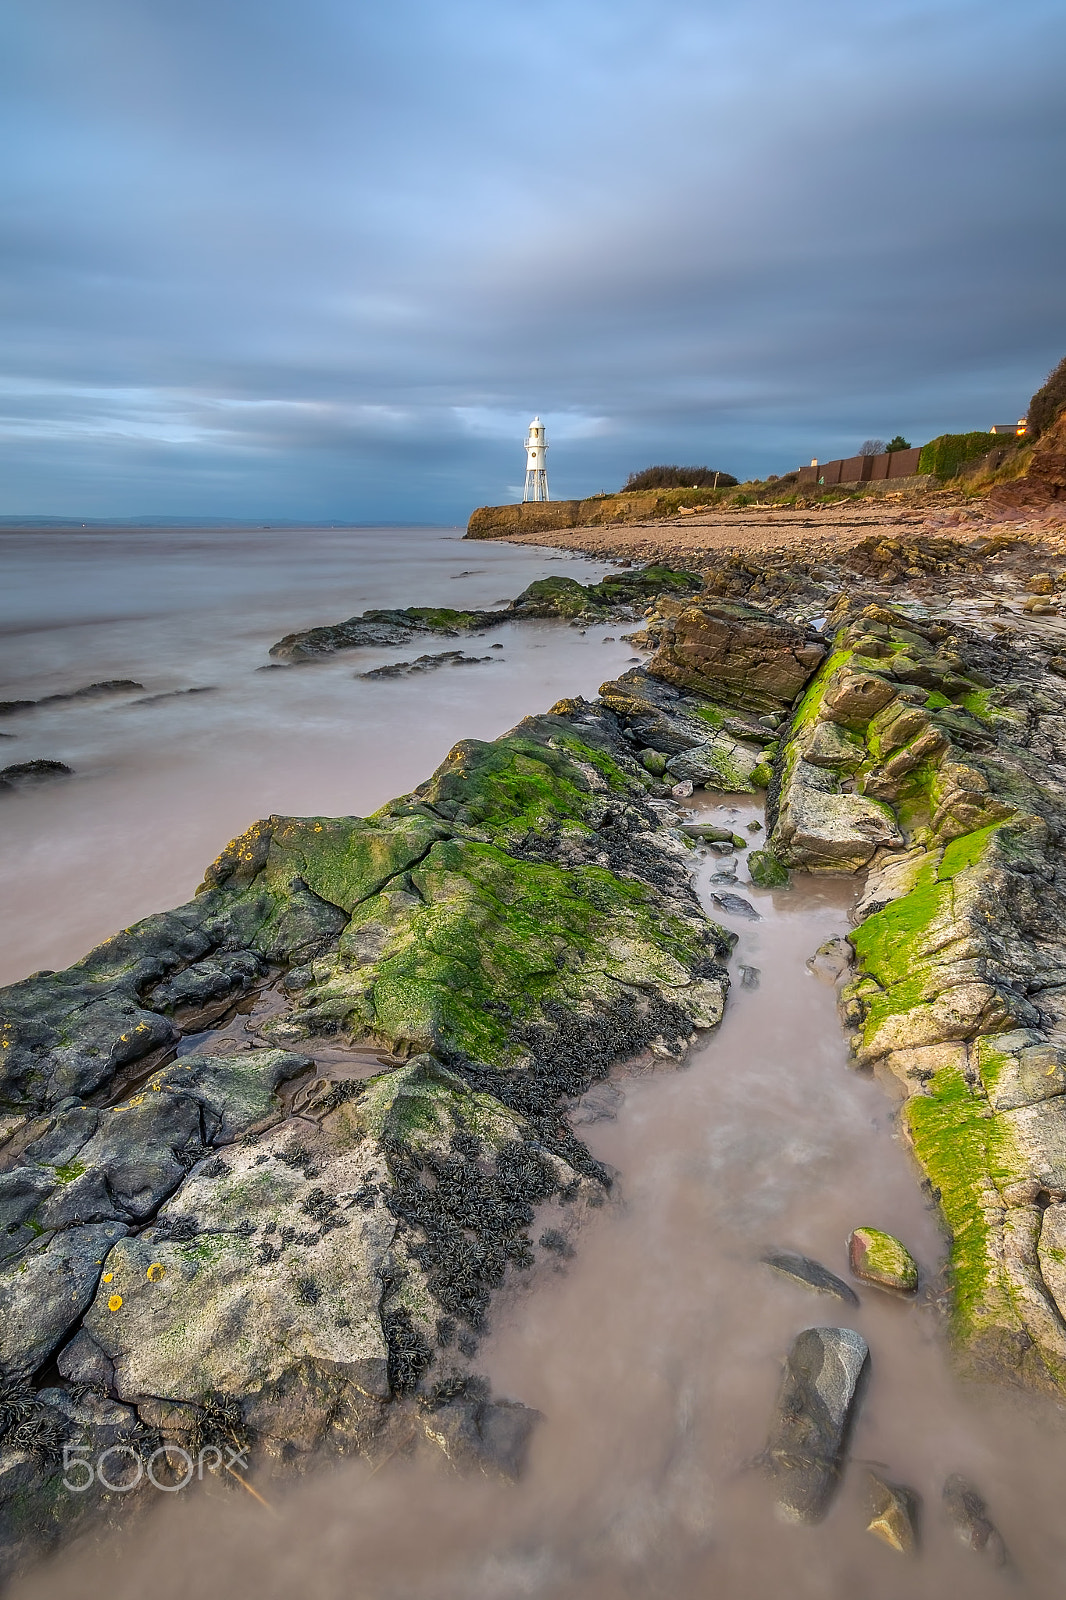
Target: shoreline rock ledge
{"points": [[935, 761], [283, 1224]]}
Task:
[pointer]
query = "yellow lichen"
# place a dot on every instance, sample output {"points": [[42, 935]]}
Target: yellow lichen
{"points": [[115, 1303], [155, 1272]]}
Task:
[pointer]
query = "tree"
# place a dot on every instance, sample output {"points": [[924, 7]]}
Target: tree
{"points": [[1047, 402], [680, 478], [872, 447], [898, 443]]}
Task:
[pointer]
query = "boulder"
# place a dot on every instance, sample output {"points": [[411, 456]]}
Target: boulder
{"points": [[738, 655], [831, 832], [808, 1436], [720, 763], [880, 1258]]}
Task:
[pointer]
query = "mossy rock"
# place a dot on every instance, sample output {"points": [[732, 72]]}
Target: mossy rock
{"points": [[767, 870], [880, 1258]]}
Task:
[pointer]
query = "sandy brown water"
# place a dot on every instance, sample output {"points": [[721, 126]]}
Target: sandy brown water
{"points": [[654, 1354]]}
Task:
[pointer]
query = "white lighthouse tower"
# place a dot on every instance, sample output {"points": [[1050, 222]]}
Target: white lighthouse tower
{"points": [[536, 462]]}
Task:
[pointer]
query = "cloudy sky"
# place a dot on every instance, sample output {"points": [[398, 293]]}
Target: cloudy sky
{"points": [[323, 259]]}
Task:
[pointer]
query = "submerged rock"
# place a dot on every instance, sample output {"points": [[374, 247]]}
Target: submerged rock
{"points": [[968, 1515], [880, 1258], [802, 1269], [808, 1437], [25, 774], [893, 1511], [736, 906]]}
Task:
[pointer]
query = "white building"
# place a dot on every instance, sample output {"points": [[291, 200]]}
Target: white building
{"points": [[536, 462]]}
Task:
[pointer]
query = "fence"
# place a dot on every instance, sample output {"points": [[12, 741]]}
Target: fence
{"points": [[863, 469]]}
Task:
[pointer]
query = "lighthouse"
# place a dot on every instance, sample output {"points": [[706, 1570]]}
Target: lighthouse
{"points": [[536, 462]]}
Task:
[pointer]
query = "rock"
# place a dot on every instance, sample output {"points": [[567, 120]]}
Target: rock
{"points": [[47, 1294], [832, 746], [525, 912], [853, 698], [755, 826], [893, 1511], [736, 906], [811, 1274], [969, 1517], [82, 1362], [814, 1409], [830, 961], [749, 977], [653, 761], [720, 763], [682, 790], [493, 1437], [24, 774], [880, 1258], [91, 691], [228, 1305], [738, 655], [767, 871], [827, 831], [383, 628], [709, 831]]}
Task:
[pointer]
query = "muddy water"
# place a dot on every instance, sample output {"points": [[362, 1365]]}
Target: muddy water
{"points": [[161, 786], [654, 1354]]}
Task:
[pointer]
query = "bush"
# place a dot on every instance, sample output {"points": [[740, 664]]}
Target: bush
{"points": [[680, 478], [945, 455], [898, 443], [1047, 402]]}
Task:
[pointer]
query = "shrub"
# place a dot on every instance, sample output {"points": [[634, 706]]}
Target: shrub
{"points": [[1047, 402], [945, 455], [898, 443], [680, 478]]}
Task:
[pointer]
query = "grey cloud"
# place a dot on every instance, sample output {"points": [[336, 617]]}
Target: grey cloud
{"points": [[272, 261]]}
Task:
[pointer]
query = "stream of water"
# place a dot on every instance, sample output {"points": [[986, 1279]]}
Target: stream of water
{"points": [[655, 1353]]}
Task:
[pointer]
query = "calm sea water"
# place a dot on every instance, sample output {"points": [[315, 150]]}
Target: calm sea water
{"points": [[160, 788]]}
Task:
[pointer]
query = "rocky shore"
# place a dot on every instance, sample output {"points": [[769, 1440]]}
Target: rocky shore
{"points": [[267, 1157]]}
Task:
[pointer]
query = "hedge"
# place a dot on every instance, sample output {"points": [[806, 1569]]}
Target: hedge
{"points": [[944, 456]]}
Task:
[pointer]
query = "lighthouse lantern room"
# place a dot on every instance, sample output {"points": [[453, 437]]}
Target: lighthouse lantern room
{"points": [[536, 462]]}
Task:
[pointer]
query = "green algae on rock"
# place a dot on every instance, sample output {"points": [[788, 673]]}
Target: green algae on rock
{"points": [[959, 948], [767, 871], [881, 1258], [565, 597], [615, 597]]}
